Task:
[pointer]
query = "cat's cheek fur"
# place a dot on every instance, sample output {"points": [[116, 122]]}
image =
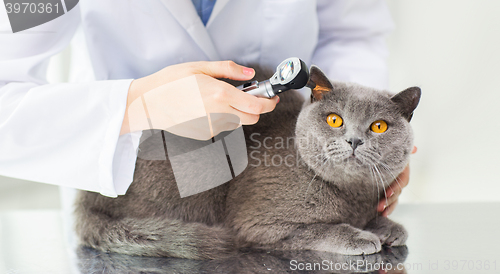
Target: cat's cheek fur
{"points": [[399, 157]]}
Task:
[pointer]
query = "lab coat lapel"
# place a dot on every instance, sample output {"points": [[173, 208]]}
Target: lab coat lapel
{"points": [[185, 13], [219, 5]]}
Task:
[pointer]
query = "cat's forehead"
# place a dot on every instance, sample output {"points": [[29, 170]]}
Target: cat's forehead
{"points": [[358, 100]]}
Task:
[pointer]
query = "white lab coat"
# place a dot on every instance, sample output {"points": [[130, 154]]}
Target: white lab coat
{"points": [[68, 134]]}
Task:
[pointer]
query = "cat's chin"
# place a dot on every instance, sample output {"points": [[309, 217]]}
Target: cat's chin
{"points": [[355, 168], [349, 169], [353, 160]]}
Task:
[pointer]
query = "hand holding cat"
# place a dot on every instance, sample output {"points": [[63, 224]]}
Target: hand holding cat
{"points": [[388, 203], [187, 91]]}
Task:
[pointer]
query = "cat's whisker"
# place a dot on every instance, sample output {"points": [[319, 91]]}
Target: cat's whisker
{"points": [[373, 156], [386, 167], [382, 183], [378, 162], [309, 186], [376, 183], [324, 159], [373, 186], [398, 181], [392, 174], [372, 173], [315, 159]]}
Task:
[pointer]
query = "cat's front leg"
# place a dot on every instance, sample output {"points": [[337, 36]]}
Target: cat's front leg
{"points": [[336, 238], [388, 231], [343, 239]]}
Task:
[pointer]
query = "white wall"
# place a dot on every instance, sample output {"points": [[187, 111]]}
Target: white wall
{"points": [[450, 48]]}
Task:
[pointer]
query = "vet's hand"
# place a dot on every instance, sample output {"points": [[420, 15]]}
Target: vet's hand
{"points": [[388, 203], [183, 92]]}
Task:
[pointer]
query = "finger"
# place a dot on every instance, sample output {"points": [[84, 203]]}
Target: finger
{"points": [[224, 122], [392, 195], [390, 209], [414, 150], [394, 189], [243, 101], [245, 118], [250, 104], [384, 203], [219, 94], [393, 198], [225, 69], [381, 205]]}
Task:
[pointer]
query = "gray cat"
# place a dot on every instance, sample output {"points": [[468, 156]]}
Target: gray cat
{"points": [[316, 172]]}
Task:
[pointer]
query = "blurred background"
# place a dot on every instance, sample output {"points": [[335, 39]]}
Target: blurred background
{"points": [[450, 48]]}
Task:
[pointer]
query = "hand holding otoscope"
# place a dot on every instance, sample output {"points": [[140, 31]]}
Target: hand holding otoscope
{"points": [[202, 93], [290, 74]]}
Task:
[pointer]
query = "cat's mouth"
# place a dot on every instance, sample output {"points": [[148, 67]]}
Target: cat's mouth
{"points": [[354, 158], [353, 155]]}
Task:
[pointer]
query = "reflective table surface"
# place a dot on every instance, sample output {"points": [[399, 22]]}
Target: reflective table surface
{"points": [[444, 238]]}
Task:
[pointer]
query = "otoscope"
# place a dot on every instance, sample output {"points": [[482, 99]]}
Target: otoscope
{"points": [[290, 74]]}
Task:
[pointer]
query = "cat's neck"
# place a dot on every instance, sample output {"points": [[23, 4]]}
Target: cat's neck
{"points": [[349, 189]]}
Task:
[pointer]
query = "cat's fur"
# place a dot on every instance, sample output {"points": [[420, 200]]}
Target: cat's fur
{"points": [[320, 199]]}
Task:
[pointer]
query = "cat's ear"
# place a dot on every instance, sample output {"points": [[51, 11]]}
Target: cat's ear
{"points": [[319, 83], [407, 100]]}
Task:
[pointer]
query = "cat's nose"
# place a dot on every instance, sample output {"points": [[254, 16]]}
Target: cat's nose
{"points": [[354, 142]]}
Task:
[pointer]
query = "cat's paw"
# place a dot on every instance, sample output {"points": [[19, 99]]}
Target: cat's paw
{"points": [[389, 232], [363, 243], [395, 235], [358, 243]]}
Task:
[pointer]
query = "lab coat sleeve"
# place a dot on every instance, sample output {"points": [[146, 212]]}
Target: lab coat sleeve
{"points": [[62, 134], [351, 43]]}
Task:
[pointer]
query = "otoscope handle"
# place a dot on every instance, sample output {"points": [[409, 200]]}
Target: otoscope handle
{"points": [[260, 89]]}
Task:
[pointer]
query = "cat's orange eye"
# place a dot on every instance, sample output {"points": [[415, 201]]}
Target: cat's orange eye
{"points": [[379, 126], [334, 120]]}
